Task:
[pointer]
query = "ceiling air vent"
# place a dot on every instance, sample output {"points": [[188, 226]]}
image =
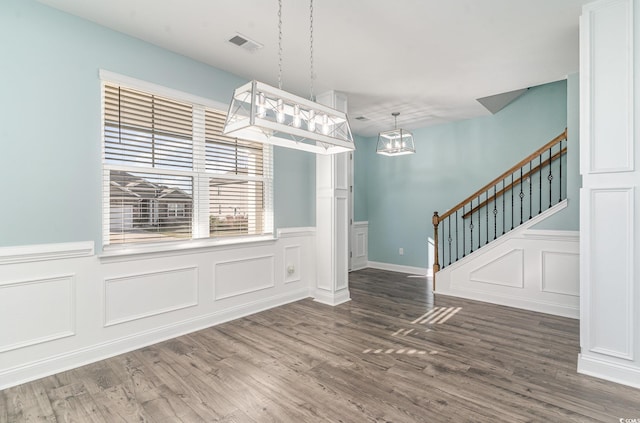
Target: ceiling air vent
{"points": [[245, 43]]}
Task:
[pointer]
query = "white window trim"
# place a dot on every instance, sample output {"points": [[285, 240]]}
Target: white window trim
{"points": [[198, 239]]}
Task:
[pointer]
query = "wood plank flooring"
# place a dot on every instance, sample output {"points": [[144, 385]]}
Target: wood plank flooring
{"points": [[392, 354]]}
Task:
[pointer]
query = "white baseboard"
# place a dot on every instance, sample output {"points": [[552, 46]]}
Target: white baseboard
{"points": [[72, 359], [517, 302], [333, 300], [607, 370], [399, 268]]}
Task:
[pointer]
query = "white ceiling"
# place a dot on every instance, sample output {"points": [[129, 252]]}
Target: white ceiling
{"points": [[427, 59]]}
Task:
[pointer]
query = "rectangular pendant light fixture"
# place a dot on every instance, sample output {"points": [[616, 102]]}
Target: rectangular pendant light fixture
{"points": [[396, 142], [262, 113]]}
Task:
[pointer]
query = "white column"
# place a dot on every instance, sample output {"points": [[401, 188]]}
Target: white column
{"points": [[610, 196], [332, 219]]}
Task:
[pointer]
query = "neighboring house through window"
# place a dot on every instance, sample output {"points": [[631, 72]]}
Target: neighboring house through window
{"points": [[169, 173]]}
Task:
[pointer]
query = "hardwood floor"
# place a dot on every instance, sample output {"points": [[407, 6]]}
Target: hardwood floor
{"points": [[393, 353]]}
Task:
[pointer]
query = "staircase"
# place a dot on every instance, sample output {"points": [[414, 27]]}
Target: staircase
{"points": [[467, 259]]}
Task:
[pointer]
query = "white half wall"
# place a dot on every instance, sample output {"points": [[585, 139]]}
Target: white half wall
{"points": [[359, 245], [68, 307], [531, 269]]}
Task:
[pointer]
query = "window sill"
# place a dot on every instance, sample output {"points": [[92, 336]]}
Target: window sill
{"points": [[118, 252]]}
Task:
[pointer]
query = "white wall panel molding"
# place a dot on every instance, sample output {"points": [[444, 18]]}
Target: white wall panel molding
{"points": [[609, 198], [243, 276], [115, 305], [607, 87], [80, 356], [612, 328], [559, 270], [359, 245], [512, 271], [292, 263], [45, 252], [36, 311], [506, 269], [142, 295]]}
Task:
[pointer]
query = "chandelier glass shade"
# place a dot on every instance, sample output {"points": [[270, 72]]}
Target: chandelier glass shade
{"points": [[262, 113], [396, 142]]}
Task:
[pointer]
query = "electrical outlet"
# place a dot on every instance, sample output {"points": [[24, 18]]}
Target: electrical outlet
{"points": [[401, 251]]}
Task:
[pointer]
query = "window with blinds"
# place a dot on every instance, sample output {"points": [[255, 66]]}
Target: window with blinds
{"points": [[170, 174]]}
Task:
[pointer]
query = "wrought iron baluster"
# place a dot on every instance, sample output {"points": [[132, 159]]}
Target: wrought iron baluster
{"points": [[530, 191], [479, 220], [443, 256], [512, 200], [457, 236], [560, 179], [550, 177], [450, 239], [521, 195], [464, 232], [540, 187], [495, 212], [471, 227], [486, 199], [503, 212]]}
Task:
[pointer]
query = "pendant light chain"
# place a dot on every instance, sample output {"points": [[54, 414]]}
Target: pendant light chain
{"points": [[280, 44], [311, 97]]}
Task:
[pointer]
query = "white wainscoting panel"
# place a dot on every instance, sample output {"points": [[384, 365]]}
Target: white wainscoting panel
{"points": [[611, 327], [360, 245], [116, 304], [292, 263], [506, 269], [609, 197], [608, 96], [242, 276], [526, 268], [559, 272], [342, 241], [143, 295], [36, 311]]}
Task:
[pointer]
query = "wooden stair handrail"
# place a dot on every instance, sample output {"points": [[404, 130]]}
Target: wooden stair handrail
{"points": [[561, 137], [553, 158], [437, 218]]}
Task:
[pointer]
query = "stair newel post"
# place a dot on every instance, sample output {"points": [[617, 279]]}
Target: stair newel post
{"points": [[436, 263]]}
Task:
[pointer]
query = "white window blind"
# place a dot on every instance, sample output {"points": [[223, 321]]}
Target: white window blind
{"points": [[169, 173]]}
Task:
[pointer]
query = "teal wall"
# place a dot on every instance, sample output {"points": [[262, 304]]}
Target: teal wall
{"points": [[452, 161], [50, 123], [569, 218], [360, 186]]}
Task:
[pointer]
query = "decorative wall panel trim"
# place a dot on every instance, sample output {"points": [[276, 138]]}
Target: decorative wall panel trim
{"points": [[36, 311], [142, 295], [243, 276], [99, 351], [612, 205], [556, 274], [31, 253], [608, 83], [507, 269]]}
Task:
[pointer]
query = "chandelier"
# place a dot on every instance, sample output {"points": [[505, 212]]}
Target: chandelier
{"points": [[395, 142], [269, 115]]}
